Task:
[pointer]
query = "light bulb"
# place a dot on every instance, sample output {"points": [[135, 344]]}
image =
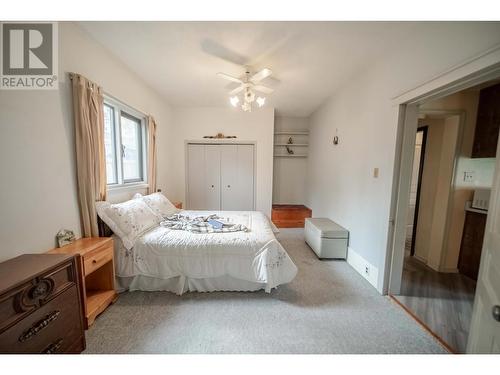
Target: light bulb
{"points": [[234, 101], [261, 101]]}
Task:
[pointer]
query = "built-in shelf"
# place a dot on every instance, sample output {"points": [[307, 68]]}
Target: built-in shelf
{"points": [[291, 144], [296, 132], [290, 156], [282, 138]]}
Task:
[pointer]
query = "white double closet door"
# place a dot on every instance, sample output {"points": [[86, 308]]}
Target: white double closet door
{"points": [[220, 177]]}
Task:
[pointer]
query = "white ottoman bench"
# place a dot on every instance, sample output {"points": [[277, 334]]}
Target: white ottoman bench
{"points": [[327, 239]]}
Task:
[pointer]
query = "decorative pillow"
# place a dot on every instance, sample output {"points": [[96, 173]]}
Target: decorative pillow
{"points": [[160, 205], [128, 220]]}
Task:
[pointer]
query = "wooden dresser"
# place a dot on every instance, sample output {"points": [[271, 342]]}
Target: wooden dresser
{"points": [[40, 305], [95, 262]]}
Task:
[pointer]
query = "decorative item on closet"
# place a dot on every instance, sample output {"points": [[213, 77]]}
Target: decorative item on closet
{"points": [[220, 177], [219, 136]]}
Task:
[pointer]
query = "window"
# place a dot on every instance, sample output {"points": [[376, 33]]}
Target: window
{"points": [[125, 144]]}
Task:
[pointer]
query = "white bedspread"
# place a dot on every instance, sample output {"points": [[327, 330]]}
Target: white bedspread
{"points": [[254, 256]]}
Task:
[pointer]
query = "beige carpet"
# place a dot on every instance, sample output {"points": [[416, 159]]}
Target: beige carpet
{"points": [[328, 308]]}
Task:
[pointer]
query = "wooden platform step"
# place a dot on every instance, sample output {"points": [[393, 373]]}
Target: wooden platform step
{"points": [[290, 215]]}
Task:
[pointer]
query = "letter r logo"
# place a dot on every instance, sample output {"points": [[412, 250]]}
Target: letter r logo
{"points": [[27, 49]]}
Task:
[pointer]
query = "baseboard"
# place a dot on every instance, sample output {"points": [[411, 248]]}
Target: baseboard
{"points": [[360, 264], [420, 259]]}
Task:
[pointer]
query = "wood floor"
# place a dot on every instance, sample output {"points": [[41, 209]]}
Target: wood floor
{"points": [[442, 301]]}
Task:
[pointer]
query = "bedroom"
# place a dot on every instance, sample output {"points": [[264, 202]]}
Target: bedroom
{"points": [[141, 120]]}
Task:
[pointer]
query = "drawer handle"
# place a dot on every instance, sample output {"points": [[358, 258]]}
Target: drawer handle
{"points": [[94, 261], [54, 347], [39, 326]]}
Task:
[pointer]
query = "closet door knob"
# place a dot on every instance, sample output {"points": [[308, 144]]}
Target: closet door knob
{"points": [[496, 313]]}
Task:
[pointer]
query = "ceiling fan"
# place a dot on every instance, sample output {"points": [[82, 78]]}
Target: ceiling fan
{"points": [[249, 84]]}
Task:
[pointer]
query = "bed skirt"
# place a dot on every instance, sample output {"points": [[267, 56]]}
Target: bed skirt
{"points": [[182, 284]]}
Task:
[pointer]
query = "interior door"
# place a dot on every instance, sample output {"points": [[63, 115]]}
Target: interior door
{"points": [[212, 171], [196, 177], [484, 335]]}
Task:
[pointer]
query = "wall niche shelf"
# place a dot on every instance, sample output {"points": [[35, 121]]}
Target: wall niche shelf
{"points": [[292, 132], [282, 147], [292, 144], [290, 156]]}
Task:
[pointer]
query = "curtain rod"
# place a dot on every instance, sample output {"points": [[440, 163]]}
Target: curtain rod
{"points": [[72, 75]]}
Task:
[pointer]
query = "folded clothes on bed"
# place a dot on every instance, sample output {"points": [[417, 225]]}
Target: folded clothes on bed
{"points": [[202, 224]]}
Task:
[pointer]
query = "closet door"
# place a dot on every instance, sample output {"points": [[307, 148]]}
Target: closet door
{"points": [[212, 171], [229, 177], [237, 177], [246, 177], [196, 177]]}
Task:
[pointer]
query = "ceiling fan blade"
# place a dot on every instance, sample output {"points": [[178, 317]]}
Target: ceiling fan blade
{"points": [[229, 78], [259, 76], [264, 89], [237, 90]]}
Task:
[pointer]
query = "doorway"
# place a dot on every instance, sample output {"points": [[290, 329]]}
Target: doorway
{"points": [[415, 191], [419, 280]]}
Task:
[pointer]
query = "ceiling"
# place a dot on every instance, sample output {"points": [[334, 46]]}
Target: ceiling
{"points": [[309, 60]]}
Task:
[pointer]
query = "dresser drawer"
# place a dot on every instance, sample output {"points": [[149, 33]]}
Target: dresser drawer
{"points": [[97, 258], [54, 328], [26, 298]]}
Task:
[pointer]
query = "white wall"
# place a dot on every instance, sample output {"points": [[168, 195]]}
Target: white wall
{"points": [[194, 123], [289, 178], [37, 163], [340, 178]]}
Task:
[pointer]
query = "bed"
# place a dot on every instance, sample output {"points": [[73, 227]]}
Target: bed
{"points": [[163, 259]]}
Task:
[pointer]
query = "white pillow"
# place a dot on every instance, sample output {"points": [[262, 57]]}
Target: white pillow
{"points": [[160, 205], [128, 220]]}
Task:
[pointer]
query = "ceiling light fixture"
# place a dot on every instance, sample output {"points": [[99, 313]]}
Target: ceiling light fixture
{"points": [[234, 101], [249, 85]]}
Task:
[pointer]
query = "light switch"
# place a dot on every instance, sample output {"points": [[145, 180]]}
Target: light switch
{"points": [[375, 172], [469, 176]]}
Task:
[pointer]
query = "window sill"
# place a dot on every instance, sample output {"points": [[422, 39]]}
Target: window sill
{"points": [[127, 187]]}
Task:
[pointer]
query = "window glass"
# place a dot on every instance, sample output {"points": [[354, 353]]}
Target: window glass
{"points": [[131, 147], [109, 145]]}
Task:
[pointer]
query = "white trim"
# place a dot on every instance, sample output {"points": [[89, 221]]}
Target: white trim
{"points": [[474, 71], [129, 186], [483, 67], [360, 265]]}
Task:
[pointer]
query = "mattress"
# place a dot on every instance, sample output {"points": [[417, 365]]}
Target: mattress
{"points": [[180, 261]]}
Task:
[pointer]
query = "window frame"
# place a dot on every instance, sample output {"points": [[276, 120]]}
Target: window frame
{"points": [[120, 109]]}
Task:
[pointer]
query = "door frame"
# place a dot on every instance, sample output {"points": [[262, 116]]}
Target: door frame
{"points": [[211, 141], [424, 129], [477, 70]]}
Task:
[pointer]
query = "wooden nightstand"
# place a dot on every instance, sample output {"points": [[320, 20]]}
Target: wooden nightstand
{"points": [[97, 273], [178, 205]]}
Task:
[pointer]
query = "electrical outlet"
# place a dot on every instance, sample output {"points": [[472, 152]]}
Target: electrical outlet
{"points": [[367, 270]]}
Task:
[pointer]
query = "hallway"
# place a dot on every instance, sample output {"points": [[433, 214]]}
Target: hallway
{"points": [[442, 301]]}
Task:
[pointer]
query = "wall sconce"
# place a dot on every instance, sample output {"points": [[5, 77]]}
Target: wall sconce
{"points": [[336, 138]]}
